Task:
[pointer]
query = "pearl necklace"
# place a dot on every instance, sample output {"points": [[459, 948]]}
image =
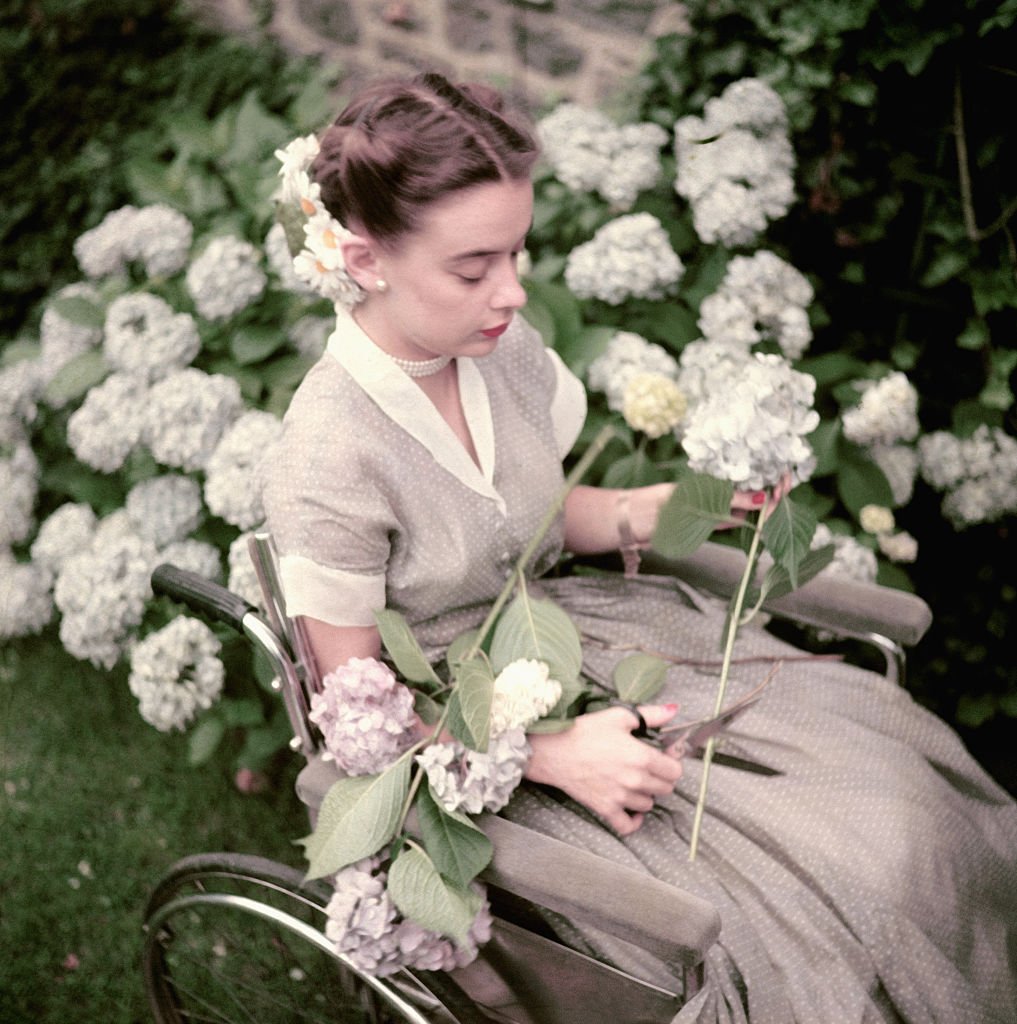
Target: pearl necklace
{"points": [[422, 367]]}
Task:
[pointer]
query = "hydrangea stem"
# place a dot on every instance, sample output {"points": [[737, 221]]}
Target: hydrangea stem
{"points": [[734, 621]]}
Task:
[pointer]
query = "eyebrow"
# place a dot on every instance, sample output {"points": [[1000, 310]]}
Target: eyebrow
{"points": [[475, 254]]}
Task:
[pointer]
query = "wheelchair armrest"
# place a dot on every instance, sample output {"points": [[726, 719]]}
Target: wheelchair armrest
{"points": [[834, 603], [673, 925]]}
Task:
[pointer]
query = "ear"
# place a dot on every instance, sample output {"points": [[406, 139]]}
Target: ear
{"points": [[361, 255]]}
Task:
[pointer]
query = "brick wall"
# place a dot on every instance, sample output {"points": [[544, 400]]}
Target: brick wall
{"points": [[538, 50]]}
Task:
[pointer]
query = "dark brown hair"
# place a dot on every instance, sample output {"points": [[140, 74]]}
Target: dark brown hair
{"points": [[401, 145]]}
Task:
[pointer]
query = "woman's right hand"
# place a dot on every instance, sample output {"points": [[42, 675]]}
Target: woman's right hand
{"points": [[599, 763]]}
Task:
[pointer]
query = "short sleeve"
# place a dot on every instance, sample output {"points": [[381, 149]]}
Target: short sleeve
{"points": [[568, 407]]}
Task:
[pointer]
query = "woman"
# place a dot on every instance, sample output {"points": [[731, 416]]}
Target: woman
{"points": [[874, 879]]}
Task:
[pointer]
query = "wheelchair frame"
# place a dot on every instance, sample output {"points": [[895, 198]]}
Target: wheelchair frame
{"points": [[503, 986]]}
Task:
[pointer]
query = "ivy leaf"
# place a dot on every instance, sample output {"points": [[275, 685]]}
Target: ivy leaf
{"points": [[472, 700], [787, 534], [459, 849], [404, 649], [697, 506], [639, 677], [422, 895], [538, 629], [358, 817]]}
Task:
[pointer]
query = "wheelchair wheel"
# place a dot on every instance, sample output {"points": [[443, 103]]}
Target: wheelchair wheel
{"points": [[234, 939]]}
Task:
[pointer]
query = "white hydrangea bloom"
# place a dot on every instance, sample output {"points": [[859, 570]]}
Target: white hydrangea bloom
{"points": [[242, 578], [19, 487], [899, 463], [161, 240], [280, 261], [735, 164], [627, 355], [67, 531], [761, 298], [146, 337], [464, 779], [165, 508], [523, 692], [108, 425], [233, 473], [102, 250], [588, 152], [226, 278], [653, 404], [898, 547], [101, 594], [26, 600], [978, 474], [706, 364], [876, 519], [187, 414], [309, 335], [60, 339], [886, 414], [195, 556], [852, 560], [629, 257], [176, 673], [20, 385], [753, 431], [941, 459]]}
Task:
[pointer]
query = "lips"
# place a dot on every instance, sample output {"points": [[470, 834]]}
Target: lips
{"points": [[495, 332]]}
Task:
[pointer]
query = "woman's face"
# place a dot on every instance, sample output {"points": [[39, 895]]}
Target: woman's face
{"points": [[452, 284]]}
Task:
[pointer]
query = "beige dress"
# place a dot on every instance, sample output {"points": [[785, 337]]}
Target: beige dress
{"points": [[874, 880]]}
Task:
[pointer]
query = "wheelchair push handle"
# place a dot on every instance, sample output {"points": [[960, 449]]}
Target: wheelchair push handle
{"points": [[201, 595]]}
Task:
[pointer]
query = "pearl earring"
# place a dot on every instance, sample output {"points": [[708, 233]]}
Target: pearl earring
{"points": [[381, 285]]}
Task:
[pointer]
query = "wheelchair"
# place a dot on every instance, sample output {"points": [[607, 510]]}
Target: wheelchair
{"points": [[236, 938]]}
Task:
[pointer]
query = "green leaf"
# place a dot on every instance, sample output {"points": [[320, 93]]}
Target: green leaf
{"points": [[639, 677], [787, 534], [79, 310], [256, 342], [244, 713], [75, 378], [538, 629], [459, 849], [422, 895], [473, 695], [697, 506], [861, 482], [357, 818], [460, 647], [204, 739], [823, 441], [427, 709], [778, 582], [404, 649]]}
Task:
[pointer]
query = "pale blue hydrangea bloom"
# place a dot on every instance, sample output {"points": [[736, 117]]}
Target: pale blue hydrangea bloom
{"points": [[760, 298], [226, 278], [588, 152], [629, 257], [146, 337], [887, 412], [165, 508], [233, 473], [104, 430], [67, 531], [19, 487], [365, 926], [753, 430], [187, 414], [26, 600], [627, 355], [176, 673], [471, 781]]}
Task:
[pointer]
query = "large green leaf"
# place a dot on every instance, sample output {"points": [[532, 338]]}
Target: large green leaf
{"points": [[404, 649], [639, 677], [76, 377], [357, 818], [472, 698], [459, 849], [538, 629], [861, 482], [778, 581], [422, 895], [255, 342], [787, 534], [79, 310], [699, 504]]}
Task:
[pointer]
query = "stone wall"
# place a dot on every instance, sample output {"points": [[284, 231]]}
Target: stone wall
{"points": [[538, 50]]}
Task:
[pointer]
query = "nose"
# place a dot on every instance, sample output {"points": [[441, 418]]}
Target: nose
{"points": [[508, 292]]}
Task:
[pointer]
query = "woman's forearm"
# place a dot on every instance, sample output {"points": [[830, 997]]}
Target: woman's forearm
{"points": [[594, 516]]}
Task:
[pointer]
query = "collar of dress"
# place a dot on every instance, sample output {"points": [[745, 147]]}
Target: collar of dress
{"points": [[395, 393]]}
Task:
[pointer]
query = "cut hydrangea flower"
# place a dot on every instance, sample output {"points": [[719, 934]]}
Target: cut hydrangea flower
{"points": [[233, 473], [365, 716], [626, 356], [706, 366], [468, 780], [176, 673], [629, 257], [523, 692], [146, 337], [365, 926], [104, 430], [226, 278], [654, 404], [753, 431], [165, 508], [886, 414]]}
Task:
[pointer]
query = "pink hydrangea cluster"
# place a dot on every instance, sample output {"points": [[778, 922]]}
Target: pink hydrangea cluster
{"points": [[366, 926], [365, 716]]}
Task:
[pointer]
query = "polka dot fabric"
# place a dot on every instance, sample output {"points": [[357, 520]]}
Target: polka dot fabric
{"points": [[875, 880]]}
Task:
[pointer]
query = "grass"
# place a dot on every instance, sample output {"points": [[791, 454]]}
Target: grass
{"points": [[95, 806]]}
